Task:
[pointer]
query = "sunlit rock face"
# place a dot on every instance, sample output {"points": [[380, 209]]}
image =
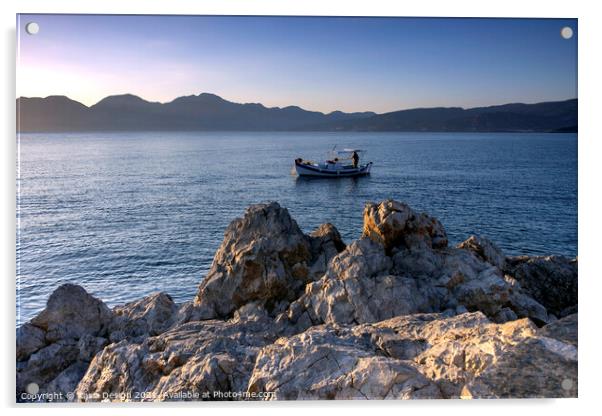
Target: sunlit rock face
{"points": [[395, 224]]}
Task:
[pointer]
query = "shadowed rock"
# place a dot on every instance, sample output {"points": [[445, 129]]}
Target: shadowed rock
{"points": [[150, 315], [565, 330], [71, 313], [58, 343], [484, 249], [326, 242], [56, 347], [29, 340], [551, 280]]}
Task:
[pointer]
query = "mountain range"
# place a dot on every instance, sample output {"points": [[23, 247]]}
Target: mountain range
{"points": [[210, 112]]}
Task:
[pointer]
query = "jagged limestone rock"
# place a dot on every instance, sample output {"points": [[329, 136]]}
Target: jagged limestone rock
{"points": [[264, 256], [392, 224], [394, 315]]}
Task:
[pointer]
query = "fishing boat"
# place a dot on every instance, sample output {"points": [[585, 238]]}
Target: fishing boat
{"points": [[338, 166]]}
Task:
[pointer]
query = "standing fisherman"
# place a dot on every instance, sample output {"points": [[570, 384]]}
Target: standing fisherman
{"points": [[356, 159]]}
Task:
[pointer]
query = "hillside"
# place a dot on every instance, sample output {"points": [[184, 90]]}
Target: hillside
{"points": [[210, 112]]}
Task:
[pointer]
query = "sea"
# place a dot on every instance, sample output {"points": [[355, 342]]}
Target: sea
{"points": [[128, 214]]}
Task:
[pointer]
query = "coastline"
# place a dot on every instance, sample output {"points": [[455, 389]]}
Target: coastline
{"points": [[395, 314]]}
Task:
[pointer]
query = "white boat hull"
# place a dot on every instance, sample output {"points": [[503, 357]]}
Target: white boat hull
{"points": [[331, 171]]}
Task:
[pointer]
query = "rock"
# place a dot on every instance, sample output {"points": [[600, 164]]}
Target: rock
{"points": [[357, 288], [394, 315], [487, 292], [406, 357], [461, 309], [332, 362], [112, 370], [72, 313], [484, 249], [455, 348], [468, 356], [458, 277], [361, 258], [46, 364], [29, 340], [571, 310], [88, 347], [67, 380], [326, 243], [117, 336], [535, 368], [59, 340], [564, 329], [489, 360], [200, 358], [328, 239], [551, 281], [505, 315], [253, 311], [422, 263], [526, 307], [150, 315], [264, 256], [431, 354], [363, 284], [394, 224], [193, 311]]}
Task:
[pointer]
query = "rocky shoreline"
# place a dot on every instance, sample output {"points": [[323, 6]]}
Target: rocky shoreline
{"points": [[397, 314]]}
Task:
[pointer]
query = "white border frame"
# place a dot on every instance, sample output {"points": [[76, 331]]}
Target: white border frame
{"points": [[590, 139]]}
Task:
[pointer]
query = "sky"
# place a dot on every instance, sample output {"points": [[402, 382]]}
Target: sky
{"points": [[317, 63]]}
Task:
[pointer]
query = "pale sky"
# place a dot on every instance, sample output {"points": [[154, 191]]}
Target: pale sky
{"points": [[323, 64]]}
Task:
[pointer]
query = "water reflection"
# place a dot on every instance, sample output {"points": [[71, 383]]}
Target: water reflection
{"points": [[332, 185]]}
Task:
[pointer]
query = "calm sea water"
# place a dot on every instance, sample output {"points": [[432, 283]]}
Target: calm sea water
{"points": [[127, 214]]}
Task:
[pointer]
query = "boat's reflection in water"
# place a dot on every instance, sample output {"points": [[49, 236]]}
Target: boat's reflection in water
{"points": [[331, 186]]}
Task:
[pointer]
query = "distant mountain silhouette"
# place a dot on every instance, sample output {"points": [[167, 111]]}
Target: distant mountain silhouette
{"points": [[557, 116], [211, 112]]}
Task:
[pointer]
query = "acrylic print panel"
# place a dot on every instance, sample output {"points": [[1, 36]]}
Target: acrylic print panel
{"points": [[291, 208]]}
